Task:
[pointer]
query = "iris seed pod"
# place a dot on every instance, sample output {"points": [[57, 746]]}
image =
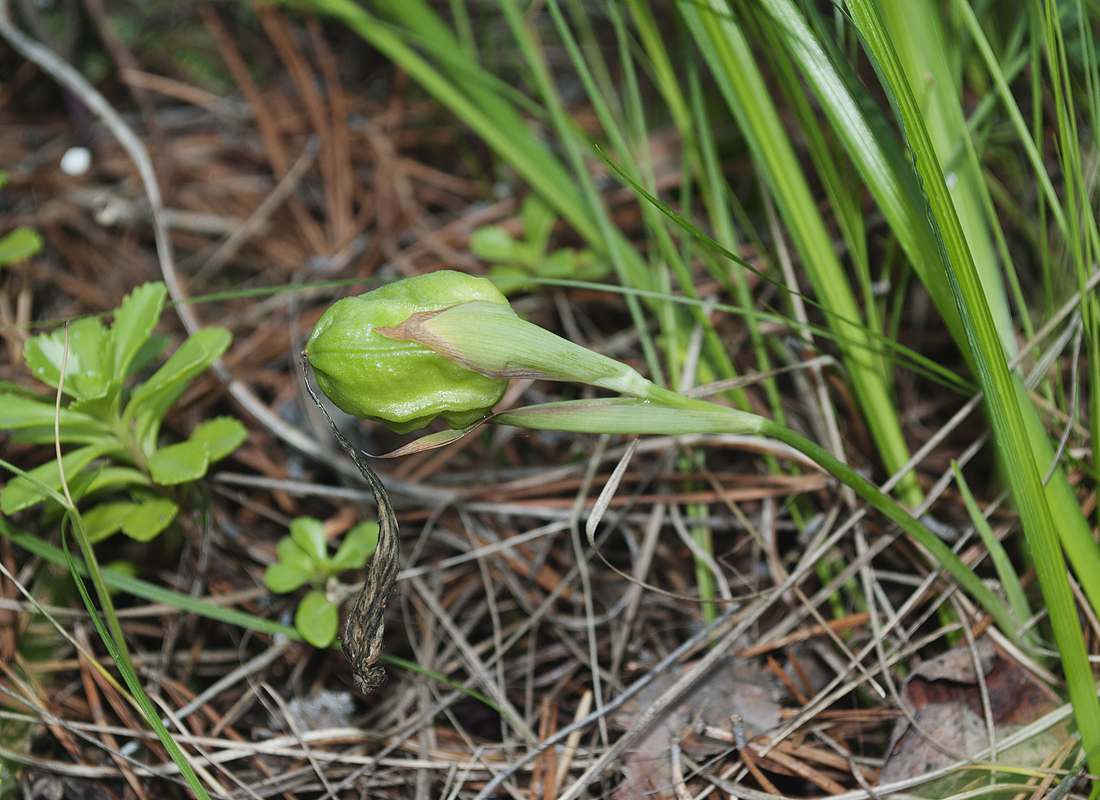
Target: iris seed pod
{"points": [[402, 384]]}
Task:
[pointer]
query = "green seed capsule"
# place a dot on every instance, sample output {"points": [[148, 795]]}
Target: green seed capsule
{"points": [[403, 385]]}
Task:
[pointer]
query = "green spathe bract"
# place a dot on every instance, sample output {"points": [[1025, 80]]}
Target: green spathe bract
{"points": [[404, 385]]}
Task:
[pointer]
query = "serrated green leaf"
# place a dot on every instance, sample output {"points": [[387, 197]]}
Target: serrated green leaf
{"points": [[222, 436], [88, 367], [150, 349], [23, 412], [22, 493], [91, 433], [32, 420], [19, 244], [309, 534], [316, 619], [179, 463], [152, 399], [146, 520], [282, 578], [358, 545], [134, 321], [105, 519], [112, 478]]}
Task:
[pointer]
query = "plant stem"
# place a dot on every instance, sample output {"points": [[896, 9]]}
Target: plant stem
{"points": [[900, 517], [661, 397]]}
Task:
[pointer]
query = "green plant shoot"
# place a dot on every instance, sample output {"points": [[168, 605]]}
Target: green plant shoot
{"points": [[115, 465], [19, 244], [530, 257], [304, 559]]}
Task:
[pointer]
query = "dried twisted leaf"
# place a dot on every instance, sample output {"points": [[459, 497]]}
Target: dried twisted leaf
{"points": [[363, 629]]}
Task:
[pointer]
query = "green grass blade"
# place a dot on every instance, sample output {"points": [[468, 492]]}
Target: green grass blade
{"points": [[912, 360], [727, 51], [1006, 571], [872, 148], [1002, 400], [148, 591], [118, 652], [192, 605], [1008, 103], [121, 658], [917, 33], [869, 149], [667, 413]]}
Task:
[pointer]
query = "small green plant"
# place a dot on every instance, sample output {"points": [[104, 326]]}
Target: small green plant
{"points": [[20, 243], [115, 467], [304, 558], [528, 258]]}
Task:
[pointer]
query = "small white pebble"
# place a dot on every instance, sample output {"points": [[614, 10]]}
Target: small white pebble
{"points": [[76, 161]]}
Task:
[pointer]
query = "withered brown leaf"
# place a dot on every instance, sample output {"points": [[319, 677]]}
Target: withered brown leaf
{"points": [[363, 629]]}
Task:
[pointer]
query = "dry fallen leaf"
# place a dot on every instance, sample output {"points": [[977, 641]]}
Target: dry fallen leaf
{"points": [[733, 687], [945, 700]]}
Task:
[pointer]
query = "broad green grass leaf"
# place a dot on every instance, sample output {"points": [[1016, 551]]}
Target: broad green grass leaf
{"points": [[316, 619], [148, 519], [179, 463], [22, 493], [918, 35], [309, 534], [19, 244], [222, 435], [358, 545], [134, 321], [1003, 400]]}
